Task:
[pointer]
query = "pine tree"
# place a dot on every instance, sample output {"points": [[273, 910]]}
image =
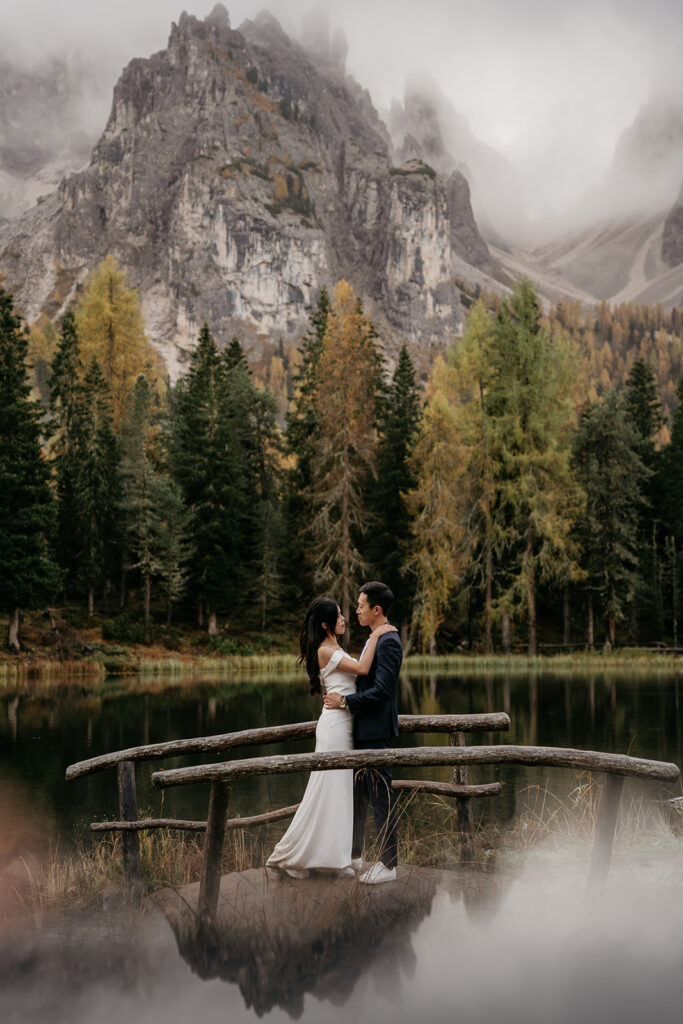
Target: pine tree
{"points": [[111, 328], [399, 418], [259, 441], [302, 440], [208, 461], [28, 574], [670, 488], [607, 463], [643, 409], [97, 531], [65, 392], [344, 458], [142, 507], [531, 402], [472, 370]]}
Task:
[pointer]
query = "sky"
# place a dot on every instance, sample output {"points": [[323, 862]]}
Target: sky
{"points": [[550, 84]]}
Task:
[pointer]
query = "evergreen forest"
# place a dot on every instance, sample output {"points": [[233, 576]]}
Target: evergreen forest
{"points": [[528, 495]]}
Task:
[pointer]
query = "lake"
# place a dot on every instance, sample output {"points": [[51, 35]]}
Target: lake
{"points": [[45, 728], [482, 945]]}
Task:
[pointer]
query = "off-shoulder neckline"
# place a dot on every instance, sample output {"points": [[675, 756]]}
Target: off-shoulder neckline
{"points": [[334, 660]]}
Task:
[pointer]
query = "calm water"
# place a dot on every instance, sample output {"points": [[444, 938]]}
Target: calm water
{"points": [[41, 734], [483, 947]]}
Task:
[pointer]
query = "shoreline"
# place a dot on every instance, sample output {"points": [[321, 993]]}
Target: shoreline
{"points": [[140, 661]]}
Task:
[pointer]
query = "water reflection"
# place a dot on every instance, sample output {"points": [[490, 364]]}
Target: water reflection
{"points": [[45, 728], [279, 939], [475, 948]]}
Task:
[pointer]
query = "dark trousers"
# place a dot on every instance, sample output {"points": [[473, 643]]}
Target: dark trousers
{"points": [[374, 785]]}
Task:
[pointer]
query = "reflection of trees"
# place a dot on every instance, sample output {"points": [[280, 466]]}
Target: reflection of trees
{"points": [[280, 939]]}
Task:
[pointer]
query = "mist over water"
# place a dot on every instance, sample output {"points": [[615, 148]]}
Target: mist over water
{"points": [[533, 948]]}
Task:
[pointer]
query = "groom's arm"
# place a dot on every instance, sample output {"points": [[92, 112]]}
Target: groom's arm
{"points": [[389, 657]]}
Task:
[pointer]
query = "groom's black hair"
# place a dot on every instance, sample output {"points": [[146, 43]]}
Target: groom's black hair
{"points": [[378, 594]]}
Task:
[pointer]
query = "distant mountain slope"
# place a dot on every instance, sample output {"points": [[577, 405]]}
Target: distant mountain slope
{"points": [[48, 126], [234, 178]]}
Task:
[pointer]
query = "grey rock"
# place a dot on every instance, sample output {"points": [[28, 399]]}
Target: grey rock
{"points": [[234, 178], [672, 237]]}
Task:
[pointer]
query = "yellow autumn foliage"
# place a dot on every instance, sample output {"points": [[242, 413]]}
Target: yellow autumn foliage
{"points": [[110, 327]]}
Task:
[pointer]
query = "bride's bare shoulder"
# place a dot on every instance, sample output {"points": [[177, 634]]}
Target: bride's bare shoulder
{"points": [[324, 655]]}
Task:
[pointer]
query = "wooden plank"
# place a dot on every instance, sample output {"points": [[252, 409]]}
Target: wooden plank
{"points": [[192, 826], [447, 788], [605, 829], [494, 722], [128, 809], [556, 757], [219, 801]]}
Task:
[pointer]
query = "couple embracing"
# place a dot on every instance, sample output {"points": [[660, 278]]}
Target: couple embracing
{"points": [[360, 700]]}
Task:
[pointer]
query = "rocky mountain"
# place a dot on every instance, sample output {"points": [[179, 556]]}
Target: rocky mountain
{"points": [[427, 126], [647, 168], [48, 125], [628, 246], [236, 175], [672, 235]]}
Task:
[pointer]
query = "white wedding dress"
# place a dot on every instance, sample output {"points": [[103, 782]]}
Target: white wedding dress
{"points": [[321, 830]]}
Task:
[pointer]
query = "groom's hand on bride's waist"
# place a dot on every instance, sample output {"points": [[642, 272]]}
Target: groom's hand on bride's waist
{"points": [[332, 700]]}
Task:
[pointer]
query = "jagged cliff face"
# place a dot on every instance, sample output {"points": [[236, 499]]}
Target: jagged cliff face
{"points": [[234, 178], [426, 126], [672, 236]]}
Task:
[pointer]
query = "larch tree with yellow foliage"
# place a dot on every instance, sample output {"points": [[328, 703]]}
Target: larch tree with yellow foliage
{"points": [[111, 329], [436, 507], [349, 376]]}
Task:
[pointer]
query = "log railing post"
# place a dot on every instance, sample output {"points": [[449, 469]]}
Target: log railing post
{"points": [[128, 810], [604, 829], [209, 887], [462, 804]]}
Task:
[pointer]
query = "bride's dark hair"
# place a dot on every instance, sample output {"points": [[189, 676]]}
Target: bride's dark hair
{"points": [[321, 610]]}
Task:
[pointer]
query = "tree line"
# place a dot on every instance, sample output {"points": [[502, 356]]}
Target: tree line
{"points": [[505, 502]]}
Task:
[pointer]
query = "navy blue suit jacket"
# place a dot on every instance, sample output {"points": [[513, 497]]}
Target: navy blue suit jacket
{"points": [[374, 706]]}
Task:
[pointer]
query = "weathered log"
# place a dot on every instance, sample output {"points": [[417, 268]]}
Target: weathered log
{"points": [[463, 809], [494, 722], [192, 826], [128, 809], [557, 757], [605, 829], [447, 788], [145, 824], [209, 886]]}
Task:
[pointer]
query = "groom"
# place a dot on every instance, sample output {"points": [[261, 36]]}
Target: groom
{"points": [[375, 721]]}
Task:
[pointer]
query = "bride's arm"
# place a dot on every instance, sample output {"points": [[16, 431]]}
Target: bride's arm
{"points": [[362, 666]]}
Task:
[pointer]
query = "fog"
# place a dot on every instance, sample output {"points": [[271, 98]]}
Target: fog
{"points": [[550, 85], [532, 949]]}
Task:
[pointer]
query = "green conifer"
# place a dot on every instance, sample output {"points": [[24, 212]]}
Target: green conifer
{"points": [[29, 576]]}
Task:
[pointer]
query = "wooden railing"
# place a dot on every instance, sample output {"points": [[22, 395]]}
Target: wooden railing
{"points": [[456, 726], [615, 766]]}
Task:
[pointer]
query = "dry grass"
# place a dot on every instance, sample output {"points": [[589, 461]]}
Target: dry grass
{"points": [[429, 836], [626, 661], [93, 869]]}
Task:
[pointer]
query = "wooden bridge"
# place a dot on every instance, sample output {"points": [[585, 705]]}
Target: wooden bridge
{"points": [[615, 767]]}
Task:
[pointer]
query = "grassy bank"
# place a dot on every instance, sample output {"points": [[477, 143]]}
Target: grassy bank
{"points": [[148, 662], [557, 827], [624, 660]]}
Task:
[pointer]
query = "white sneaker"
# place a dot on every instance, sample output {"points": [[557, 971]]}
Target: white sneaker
{"points": [[347, 872], [378, 874], [357, 864], [296, 872]]}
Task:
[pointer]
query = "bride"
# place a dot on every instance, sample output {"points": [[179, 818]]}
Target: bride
{"points": [[321, 831]]}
